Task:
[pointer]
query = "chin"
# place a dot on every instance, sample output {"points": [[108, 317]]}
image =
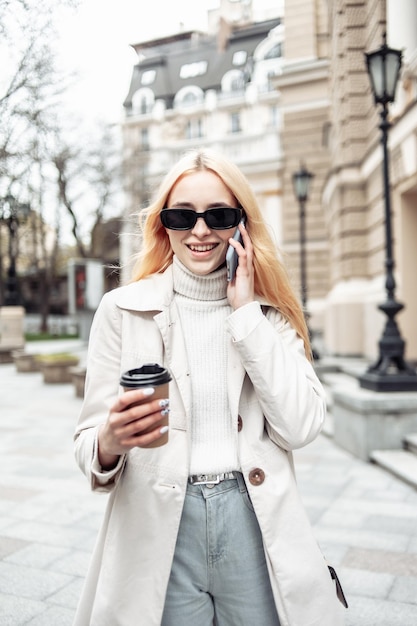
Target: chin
{"points": [[203, 270]]}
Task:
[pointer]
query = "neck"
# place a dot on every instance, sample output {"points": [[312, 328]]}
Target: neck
{"points": [[210, 287]]}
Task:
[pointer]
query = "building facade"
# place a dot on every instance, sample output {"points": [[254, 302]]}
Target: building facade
{"points": [[353, 194]]}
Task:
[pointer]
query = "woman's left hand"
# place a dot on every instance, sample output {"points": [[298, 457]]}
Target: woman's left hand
{"points": [[241, 290]]}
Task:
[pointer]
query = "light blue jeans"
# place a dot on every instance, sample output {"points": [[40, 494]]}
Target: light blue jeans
{"points": [[219, 574]]}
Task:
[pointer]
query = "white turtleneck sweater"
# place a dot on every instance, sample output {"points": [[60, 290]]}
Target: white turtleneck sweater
{"points": [[203, 309]]}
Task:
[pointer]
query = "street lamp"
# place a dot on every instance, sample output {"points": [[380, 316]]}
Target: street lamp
{"points": [[11, 212], [390, 372], [301, 183]]}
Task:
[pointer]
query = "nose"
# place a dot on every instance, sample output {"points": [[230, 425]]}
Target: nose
{"points": [[200, 227]]}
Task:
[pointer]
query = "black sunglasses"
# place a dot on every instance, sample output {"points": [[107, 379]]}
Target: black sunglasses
{"points": [[218, 218]]}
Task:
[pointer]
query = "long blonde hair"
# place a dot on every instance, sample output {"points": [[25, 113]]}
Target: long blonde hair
{"points": [[271, 279]]}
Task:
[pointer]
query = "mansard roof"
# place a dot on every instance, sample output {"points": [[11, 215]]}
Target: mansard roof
{"points": [[192, 58]]}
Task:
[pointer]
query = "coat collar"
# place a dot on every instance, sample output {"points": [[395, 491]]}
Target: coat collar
{"points": [[153, 293]]}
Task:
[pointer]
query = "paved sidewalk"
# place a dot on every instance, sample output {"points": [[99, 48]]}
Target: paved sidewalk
{"points": [[365, 520]]}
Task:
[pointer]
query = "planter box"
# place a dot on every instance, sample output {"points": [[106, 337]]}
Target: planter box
{"points": [[78, 380], [25, 362], [6, 354], [56, 368]]}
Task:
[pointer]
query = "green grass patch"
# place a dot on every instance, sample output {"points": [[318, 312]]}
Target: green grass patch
{"points": [[48, 337], [57, 357]]}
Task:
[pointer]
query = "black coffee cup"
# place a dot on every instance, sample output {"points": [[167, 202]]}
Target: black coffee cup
{"points": [[150, 375]]}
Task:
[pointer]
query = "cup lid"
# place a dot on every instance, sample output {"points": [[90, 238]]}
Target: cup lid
{"points": [[149, 375]]}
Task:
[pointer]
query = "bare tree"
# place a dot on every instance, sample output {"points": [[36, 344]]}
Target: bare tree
{"points": [[67, 179], [87, 184], [30, 88]]}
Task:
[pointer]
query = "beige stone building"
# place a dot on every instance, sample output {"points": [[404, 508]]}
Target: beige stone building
{"points": [[294, 89], [352, 196], [331, 124]]}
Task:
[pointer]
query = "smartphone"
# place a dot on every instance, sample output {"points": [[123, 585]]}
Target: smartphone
{"points": [[232, 258]]}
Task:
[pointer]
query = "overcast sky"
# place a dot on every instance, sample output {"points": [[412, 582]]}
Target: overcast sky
{"points": [[95, 42]]}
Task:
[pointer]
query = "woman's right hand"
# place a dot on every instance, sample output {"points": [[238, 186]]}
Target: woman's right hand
{"points": [[125, 424]]}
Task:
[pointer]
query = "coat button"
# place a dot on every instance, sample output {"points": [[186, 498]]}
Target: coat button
{"points": [[256, 476], [239, 424]]}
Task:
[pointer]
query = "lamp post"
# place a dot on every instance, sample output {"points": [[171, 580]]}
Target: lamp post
{"points": [[11, 212], [301, 184], [390, 372]]}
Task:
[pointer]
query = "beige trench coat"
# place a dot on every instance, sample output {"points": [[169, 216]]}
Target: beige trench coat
{"points": [[274, 391]]}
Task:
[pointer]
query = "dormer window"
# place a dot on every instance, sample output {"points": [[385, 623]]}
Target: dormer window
{"points": [[239, 57], [148, 77], [274, 52], [234, 80], [189, 96], [190, 70], [143, 101]]}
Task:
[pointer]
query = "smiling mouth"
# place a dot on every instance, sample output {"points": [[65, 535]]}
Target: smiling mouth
{"points": [[202, 248]]}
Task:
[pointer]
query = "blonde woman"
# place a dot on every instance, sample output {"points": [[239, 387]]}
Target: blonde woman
{"points": [[208, 528]]}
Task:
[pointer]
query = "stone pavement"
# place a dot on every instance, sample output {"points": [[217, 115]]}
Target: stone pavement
{"points": [[365, 519]]}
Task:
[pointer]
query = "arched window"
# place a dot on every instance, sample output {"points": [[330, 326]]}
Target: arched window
{"points": [[275, 52], [268, 58], [234, 80], [272, 47], [188, 96], [143, 101]]}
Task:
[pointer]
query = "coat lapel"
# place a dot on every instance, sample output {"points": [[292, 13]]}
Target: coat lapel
{"points": [[169, 326]]}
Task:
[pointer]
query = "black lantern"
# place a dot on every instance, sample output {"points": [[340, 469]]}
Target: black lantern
{"points": [[384, 67], [11, 213], [301, 183], [390, 372]]}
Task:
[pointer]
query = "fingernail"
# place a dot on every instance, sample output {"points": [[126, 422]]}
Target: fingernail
{"points": [[164, 403], [165, 412], [163, 430], [148, 391]]}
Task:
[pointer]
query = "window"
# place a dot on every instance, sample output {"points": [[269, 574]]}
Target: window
{"points": [[188, 96], [239, 57], [235, 122], [148, 77], [194, 129], [144, 138], [272, 47], [143, 105], [274, 116], [274, 52], [143, 101], [233, 81], [189, 70], [237, 83]]}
